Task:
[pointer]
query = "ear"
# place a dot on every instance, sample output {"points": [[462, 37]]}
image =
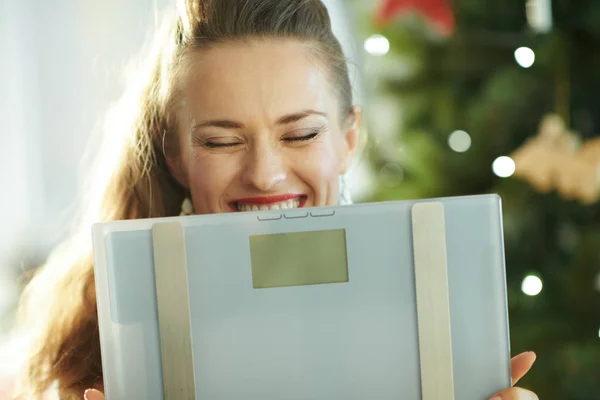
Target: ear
{"points": [[351, 138], [177, 170]]}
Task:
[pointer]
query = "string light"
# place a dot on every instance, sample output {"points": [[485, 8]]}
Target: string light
{"points": [[525, 57], [532, 285], [459, 141], [503, 167], [377, 45]]}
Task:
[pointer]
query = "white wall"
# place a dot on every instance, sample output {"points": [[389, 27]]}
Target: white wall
{"points": [[18, 118]]}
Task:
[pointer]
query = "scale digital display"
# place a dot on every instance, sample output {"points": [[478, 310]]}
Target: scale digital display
{"points": [[299, 258]]}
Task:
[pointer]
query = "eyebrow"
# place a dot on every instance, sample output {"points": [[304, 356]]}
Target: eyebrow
{"points": [[284, 120], [288, 119]]}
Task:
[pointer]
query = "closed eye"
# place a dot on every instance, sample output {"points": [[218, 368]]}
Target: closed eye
{"points": [[216, 145], [215, 142], [304, 135]]}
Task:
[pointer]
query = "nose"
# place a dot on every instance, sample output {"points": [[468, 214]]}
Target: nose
{"points": [[264, 168]]}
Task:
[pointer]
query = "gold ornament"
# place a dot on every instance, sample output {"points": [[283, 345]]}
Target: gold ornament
{"points": [[555, 159]]}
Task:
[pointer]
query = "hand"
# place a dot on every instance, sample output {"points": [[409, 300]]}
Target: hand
{"points": [[520, 365]]}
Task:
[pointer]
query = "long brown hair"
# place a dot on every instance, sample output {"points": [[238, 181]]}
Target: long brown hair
{"points": [[132, 180]]}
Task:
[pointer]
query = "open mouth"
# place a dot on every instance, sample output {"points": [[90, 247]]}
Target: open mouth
{"points": [[269, 203]]}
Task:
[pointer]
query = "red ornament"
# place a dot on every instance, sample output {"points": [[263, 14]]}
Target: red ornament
{"points": [[438, 11]]}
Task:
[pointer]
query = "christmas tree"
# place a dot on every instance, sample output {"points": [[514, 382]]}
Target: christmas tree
{"points": [[470, 97]]}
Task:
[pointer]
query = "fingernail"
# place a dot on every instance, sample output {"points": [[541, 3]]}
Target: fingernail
{"points": [[496, 398], [92, 394]]}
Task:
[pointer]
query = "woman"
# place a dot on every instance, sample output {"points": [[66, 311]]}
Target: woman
{"points": [[241, 102]]}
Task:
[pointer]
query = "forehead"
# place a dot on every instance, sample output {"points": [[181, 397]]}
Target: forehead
{"points": [[262, 78]]}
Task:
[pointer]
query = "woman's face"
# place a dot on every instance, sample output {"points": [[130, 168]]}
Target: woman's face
{"points": [[261, 129]]}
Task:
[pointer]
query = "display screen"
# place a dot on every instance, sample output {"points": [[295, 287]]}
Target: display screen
{"points": [[299, 258]]}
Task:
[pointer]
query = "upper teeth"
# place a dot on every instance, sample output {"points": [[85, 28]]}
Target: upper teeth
{"points": [[282, 205]]}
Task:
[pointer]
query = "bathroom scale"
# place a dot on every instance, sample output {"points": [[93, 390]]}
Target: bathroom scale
{"points": [[392, 300]]}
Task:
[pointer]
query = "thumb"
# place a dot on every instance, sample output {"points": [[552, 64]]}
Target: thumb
{"points": [[521, 364], [93, 394]]}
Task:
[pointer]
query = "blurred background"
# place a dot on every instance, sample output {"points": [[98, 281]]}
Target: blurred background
{"points": [[461, 97]]}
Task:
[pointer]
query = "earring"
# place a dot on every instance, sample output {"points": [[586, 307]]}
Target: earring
{"points": [[187, 208], [344, 198]]}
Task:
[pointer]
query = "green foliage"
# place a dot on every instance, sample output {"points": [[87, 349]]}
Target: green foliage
{"points": [[470, 82]]}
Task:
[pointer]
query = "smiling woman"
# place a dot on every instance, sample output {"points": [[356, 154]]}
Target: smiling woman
{"points": [[242, 105]]}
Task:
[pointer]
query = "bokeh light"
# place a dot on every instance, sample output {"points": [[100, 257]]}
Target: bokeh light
{"points": [[532, 285], [459, 141], [525, 57], [377, 45], [504, 167]]}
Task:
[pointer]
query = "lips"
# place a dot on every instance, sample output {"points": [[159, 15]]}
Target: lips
{"points": [[280, 202]]}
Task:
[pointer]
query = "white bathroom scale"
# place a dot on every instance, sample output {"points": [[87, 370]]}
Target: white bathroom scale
{"points": [[396, 300]]}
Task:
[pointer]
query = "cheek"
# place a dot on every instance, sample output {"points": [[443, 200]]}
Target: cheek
{"points": [[320, 165], [208, 178], [320, 169]]}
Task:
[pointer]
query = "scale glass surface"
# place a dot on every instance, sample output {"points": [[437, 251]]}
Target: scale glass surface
{"points": [[315, 303]]}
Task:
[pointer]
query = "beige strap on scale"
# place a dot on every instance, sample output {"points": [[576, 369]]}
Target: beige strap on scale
{"points": [[433, 308], [170, 270], [433, 301]]}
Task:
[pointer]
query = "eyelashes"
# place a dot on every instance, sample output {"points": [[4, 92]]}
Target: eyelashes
{"points": [[299, 136], [213, 145], [305, 135]]}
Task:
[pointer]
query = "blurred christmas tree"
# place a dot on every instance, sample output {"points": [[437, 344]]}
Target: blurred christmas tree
{"points": [[450, 98]]}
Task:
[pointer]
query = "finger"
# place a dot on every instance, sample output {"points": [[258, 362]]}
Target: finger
{"points": [[515, 394], [521, 364], [93, 394]]}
